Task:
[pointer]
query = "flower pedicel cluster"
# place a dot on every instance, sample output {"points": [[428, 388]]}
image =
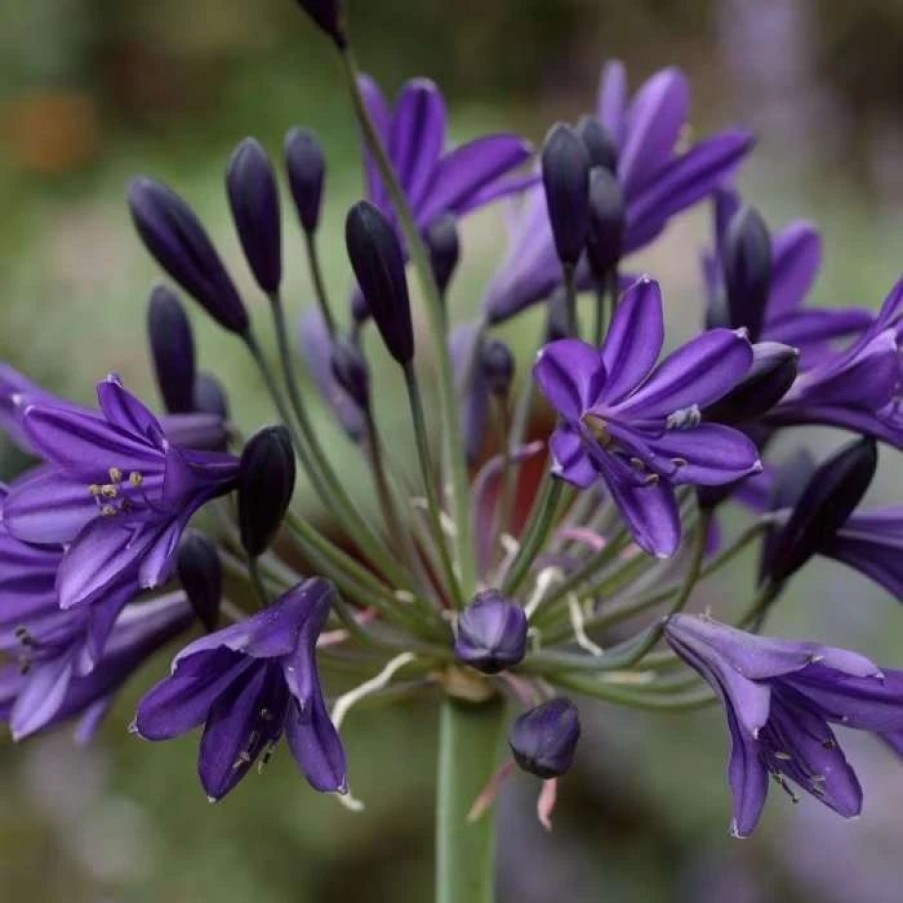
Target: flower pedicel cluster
{"points": [[470, 580]]}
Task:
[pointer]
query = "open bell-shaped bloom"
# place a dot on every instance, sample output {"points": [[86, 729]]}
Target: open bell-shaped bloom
{"points": [[116, 491], [780, 698], [657, 176], [249, 684], [637, 427]]}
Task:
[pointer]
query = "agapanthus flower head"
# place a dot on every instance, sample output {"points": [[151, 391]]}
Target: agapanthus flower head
{"points": [[172, 350], [249, 684], [491, 633], [200, 572], [177, 241], [266, 482], [375, 255], [114, 488], [657, 177], [565, 178], [254, 201], [306, 167], [636, 427], [436, 180], [780, 698], [544, 740]]}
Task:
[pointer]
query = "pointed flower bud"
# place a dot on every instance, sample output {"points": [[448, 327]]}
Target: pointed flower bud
{"points": [[177, 241], [772, 373], [378, 264], [266, 481], [492, 633], [172, 350], [329, 17], [254, 199], [444, 245], [201, 575], [349, 367], [607, 222], [497, 362], [544, 739], [747, 270], [832, 493], [306, 167], [210, 396], [565, 175], [599, 145]]}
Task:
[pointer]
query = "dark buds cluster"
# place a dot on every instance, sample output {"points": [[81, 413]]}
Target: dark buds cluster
{"points": [[378, 263], [266, 481], [492, 633], [544, 739], [827, 500]]}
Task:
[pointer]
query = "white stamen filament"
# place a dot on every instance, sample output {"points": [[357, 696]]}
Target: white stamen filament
{"points": [[577, 622]]}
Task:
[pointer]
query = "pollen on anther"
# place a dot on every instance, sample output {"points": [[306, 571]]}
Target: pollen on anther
{"points": [[108, 491], [94, 489], [107, 511], [135, 478], [115, 475]]}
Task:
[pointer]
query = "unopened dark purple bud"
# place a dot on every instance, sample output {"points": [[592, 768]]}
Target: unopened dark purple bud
{"points": [[201, 574], [599, 144], [210, 396], [497, 362], [266, 481], [329, 16], [557, 317], [444, 245], [772, 373], [607, 221], [254, 200], [349, 367], [172, 350], [544, 739], [565, 175], [378, 264], [178, 242], [747, 270], [829, 498], [306, 167], [492, 633]]}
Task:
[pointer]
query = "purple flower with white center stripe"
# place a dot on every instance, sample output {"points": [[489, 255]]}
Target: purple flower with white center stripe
{"points": [[796, 254], [780, 698], [117, 491], [636, 426], [248, 684], [657, 179]]}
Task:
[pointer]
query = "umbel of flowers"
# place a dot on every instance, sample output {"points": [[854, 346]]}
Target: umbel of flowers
{"points": [[468, 581]]}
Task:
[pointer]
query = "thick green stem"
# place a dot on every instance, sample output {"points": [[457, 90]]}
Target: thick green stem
{"points": [[469, 736]]}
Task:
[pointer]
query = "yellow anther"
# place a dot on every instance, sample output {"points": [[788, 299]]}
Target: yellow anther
{"points": [[135, 478], [115, 475], [108, 491], [107, 511], [94, 490]]}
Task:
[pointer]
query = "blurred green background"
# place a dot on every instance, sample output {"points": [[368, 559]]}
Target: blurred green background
{"points": [[93, 91]]}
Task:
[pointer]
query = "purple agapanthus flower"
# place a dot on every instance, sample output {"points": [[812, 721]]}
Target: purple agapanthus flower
{"points": [[857, 388], [248, 684], [780, 698], [796, 254], [636, 426], [46, 686], [437, 181], [657, 177], [114, 489]]}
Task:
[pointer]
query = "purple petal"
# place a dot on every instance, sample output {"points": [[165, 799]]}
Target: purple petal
{"points": [[815, 325], [124, 411], [571, 461], [612, 101], [634, 339], [748, 779], [714, 454], [570, 373], [317, 747], [654, 121], [381, 116], [795, 261], [41, 696], [699, 373]]}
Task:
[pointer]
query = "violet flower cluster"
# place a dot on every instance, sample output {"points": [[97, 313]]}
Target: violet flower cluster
{"points": [[554, 525]]}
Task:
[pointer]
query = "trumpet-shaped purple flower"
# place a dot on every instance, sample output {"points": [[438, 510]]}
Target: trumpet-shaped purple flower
{"points": [[780, 698], [796, 254], [657, 179], [636, 426], [248, 684], [48, 686], [857, 388], [435, 180], [117, 491]]}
